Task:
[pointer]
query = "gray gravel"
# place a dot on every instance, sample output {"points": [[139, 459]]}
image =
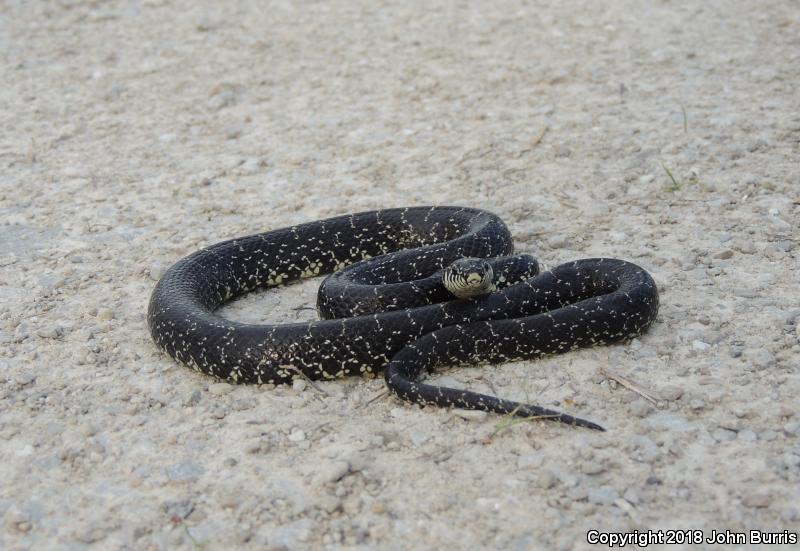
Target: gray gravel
{"points": [[137, 132]]}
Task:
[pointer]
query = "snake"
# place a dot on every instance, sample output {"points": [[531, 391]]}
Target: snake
{"points": [[408, 290]]}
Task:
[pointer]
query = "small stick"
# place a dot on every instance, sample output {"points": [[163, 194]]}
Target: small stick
{"points": [[630, 385], [375, 398], [536, 141], [310, 382]]}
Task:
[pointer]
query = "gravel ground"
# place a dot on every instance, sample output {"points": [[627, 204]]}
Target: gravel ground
{"points": [[134, 133]]}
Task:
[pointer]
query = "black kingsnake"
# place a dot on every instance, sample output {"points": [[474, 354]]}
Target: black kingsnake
{"points": [[390, 264]]}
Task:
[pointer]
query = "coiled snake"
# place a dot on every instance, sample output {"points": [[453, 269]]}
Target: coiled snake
{"points": [[387, 306]]}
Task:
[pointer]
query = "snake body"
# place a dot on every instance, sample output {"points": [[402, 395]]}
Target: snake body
{"points": [[387, 308]]}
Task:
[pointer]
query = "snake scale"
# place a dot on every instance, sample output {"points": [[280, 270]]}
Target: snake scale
{"points": [[388, 309]]}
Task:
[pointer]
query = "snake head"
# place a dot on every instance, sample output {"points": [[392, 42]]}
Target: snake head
{"points": [[469, 277]]}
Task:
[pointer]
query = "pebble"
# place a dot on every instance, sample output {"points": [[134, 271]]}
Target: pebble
{"points": [[641, 408], [233, 130], [723, 435], [671, 393], [222, 95], [547, 479], [220, 389], [562, 151], [757, 500], [256, 447], [50, 332], [644, 450], [297, 435], [792, 428], [593, 468], [558, 241], [768, 435], [471, 414], [184, 470], [299, 385], [21, 333], [331, 472], [530, 460], [700, 346], [419, 438], [723, 254], [105, 314], [193, 399], [736, 350], [17, 520], [604, 495], [746, 435], [177, 510], [25, 379], [667, 422], [697, 404], [760, 358], [633, 496]]}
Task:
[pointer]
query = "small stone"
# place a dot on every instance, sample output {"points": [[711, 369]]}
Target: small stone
{"points": [[790, 514], [562, 151], [641, 408], [723, 435], [700, 346], [184, 470], [105, 314], [735, 153], [178, 510], [527, 460], [220, 389], [632, 495], [558, 241], [792, 428], [193, 399], [470, 414], [723, 254], [745, 247], [50, 332], [592, 468], [419, 438], [18, 520], [604, 495], [233, 130], [547, 479], [760, 358], [757, 144], [256, 447], [768, 435], [297, 435], [331, 472], [757, 500], [222, 95], [299, 385], [25, 379], [736, 350], [671, 393], [746, 435]]}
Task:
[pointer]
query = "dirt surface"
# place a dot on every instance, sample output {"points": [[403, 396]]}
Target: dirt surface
{"points": [[135, 133]]}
